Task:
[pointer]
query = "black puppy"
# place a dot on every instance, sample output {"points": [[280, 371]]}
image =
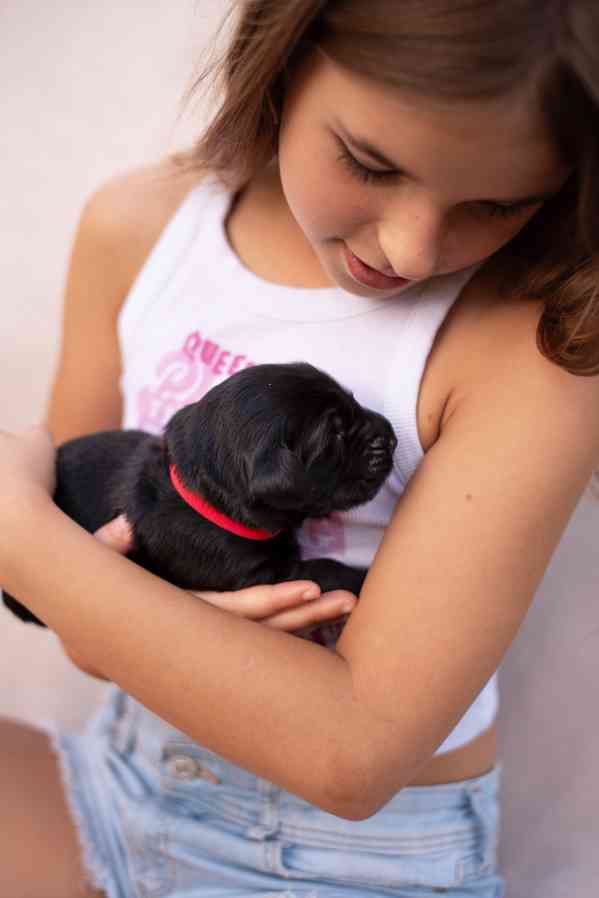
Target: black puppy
{"points": [[213, 503]]}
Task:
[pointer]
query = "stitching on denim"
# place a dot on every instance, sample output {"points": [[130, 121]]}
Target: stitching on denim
{"points": [[96, 866]]}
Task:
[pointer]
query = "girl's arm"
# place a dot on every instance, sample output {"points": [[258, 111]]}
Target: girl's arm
{"points": [[449, 587], [275, 704], [468, 544], [284, 606]]}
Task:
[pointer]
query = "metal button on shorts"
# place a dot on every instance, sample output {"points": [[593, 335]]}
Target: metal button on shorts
{"points": [[185, 768]]}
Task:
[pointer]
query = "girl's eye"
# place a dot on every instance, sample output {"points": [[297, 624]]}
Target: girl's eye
{"points": [[371, 175], [367, 175], [493, 209], [496, 209]]}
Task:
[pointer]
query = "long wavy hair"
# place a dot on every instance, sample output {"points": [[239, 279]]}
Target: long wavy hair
{"points": [[448, 49]]}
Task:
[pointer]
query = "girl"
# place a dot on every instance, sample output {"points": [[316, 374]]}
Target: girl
{"points": [[406, 195]]}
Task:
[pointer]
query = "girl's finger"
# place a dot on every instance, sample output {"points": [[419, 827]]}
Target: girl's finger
{"points": [[328, 607], [116, 534], [258, 602]]}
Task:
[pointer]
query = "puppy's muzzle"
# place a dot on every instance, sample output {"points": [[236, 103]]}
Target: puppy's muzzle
{"points": [[380, 453], [380, 446]]}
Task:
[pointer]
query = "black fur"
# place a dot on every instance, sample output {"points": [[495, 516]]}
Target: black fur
{"points": [[270, 446]]}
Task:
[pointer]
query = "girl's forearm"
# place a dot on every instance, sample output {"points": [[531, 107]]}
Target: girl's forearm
{"points": [[264, 699]]}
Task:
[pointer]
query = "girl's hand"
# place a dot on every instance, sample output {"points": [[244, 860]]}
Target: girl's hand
{"points": [[280, 605], [289, 606], [27, 462], [286, 606]]}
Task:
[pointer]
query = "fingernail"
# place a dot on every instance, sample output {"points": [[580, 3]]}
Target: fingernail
{"points": [[291, 590], [311, 593]]}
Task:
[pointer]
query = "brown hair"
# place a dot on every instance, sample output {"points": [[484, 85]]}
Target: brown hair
{"points": [[446, 50]]}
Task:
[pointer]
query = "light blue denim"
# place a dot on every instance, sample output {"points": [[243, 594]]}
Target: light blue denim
{"points": [[159, 816]]}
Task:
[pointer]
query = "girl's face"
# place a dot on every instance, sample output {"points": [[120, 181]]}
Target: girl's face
{"points": [[454, 184]]}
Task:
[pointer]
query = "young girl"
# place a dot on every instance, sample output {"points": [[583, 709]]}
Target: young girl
{"points": [[406, 195]]}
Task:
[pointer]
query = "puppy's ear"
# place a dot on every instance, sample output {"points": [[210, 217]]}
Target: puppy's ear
{"points": [[277, 478], [295, 478]]}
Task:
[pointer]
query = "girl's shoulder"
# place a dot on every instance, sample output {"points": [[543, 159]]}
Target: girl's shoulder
{"points": [[131, 209], [467, 349], [483, 326]]}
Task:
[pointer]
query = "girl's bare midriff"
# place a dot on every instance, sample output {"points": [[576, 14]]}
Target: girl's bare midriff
{"points": [[467, 762]]}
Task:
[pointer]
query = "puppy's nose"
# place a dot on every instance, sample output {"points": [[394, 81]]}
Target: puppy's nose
{"points": [[380, 451]]}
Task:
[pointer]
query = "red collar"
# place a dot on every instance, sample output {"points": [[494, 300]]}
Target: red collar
{"points": [[207, 511]]}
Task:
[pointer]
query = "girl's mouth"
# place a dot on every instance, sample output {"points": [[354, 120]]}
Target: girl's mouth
{"points": [[368, 276]]}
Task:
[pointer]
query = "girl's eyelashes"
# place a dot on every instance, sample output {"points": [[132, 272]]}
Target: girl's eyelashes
{"points": [[371, 175], [496, 209], [367, 175]]}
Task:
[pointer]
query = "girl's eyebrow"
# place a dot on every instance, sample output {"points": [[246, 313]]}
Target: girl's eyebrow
{"points": [[364, 146]]}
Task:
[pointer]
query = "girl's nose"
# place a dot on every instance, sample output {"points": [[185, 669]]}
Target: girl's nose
{"points": [[410, 238]]}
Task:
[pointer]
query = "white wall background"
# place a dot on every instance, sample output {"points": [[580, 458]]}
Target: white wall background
{"points": [[88, 90], [91, 89]]}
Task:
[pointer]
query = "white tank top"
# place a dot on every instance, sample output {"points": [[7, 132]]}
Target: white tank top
{"points": [[195, 315]]}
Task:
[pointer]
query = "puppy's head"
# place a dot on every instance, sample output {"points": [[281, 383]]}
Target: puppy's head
{"points": [[275, 444]]}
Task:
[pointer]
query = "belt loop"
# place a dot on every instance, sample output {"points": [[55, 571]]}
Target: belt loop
{"points": [[124, 730], [486, 811], [269, 817]]}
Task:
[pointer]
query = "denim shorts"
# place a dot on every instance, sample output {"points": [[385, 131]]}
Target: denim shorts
{"points": [[159, 816]]}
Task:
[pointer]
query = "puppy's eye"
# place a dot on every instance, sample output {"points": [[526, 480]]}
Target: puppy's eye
{"points": [[338, 427]]}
